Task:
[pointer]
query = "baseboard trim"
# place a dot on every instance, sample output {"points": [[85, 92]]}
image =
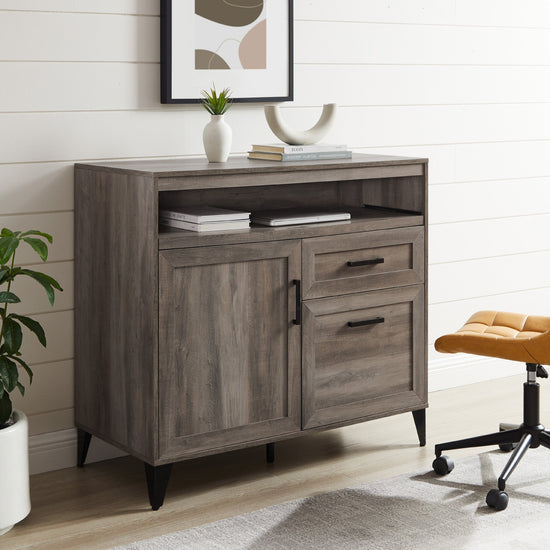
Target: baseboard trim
{"points": [[461, 370], [57, 450]]}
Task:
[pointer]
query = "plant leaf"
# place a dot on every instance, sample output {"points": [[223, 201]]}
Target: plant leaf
{"points": [[8, 373], [32, 325], [5, 408], [21, 388], [8, 246], [39, 275], [13, 336], [216, 103], [25, 366], [8, 274], [40, 247], [46, 281], [47, 236], [7, 232], [8, 298]]}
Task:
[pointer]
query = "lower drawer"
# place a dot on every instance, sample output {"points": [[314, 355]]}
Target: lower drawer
{"points": [[363, 356]]}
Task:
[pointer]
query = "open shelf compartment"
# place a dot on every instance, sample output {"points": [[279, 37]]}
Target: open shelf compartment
{"points": [[366, 200]]}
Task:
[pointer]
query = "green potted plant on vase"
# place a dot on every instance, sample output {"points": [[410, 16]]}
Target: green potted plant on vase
{"points": [[217, 135], [14, 462]]}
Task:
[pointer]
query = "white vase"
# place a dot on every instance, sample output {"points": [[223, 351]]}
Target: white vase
{"points": [[15, 501], [217, 137]]}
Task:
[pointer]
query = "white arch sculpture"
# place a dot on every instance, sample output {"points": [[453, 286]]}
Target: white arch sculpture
{"points": [[297, 137]]}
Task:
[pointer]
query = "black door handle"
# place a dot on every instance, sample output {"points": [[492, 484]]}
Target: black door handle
{"points": [[298, 319], [365, 262], [374, 321]]}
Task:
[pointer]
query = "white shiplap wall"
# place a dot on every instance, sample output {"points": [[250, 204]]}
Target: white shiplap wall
{"points": [[463, 82]]}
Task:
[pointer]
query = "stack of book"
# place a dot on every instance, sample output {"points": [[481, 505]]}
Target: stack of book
{"points": [[204, 218], [284, 152]]}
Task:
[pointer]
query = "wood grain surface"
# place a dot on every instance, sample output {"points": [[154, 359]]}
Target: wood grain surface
{"points": [[229, 351], [325, 261], [116, 285], [354, 372], [186, 344]]}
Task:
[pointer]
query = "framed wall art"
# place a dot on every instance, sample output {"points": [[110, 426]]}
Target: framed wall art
{"points": [[245, 45]]}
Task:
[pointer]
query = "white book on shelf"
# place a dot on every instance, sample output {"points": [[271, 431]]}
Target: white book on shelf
{"points": [[208, 226], [203, 214]]}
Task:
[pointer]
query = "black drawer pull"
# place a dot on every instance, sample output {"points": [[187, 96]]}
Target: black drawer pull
{"points": [[374, 321], [366, 262], [298, 320]]}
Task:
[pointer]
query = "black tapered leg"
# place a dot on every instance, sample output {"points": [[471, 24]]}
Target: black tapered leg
{"points": [[513, 461], [83, 439], [420, 423], [270, 452], [157, 481]]}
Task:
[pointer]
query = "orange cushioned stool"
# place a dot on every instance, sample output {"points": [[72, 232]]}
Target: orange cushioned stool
{"points": [[506, 336]]}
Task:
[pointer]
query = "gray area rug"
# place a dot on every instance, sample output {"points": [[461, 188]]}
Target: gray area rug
{"points": [[409, 512]]}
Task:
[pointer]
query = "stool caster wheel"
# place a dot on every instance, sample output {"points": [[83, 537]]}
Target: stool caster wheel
{"points": [[497, 499], [443, 465]]}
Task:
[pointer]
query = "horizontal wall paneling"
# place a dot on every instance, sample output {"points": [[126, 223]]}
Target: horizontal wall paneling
{"points": [[490, 13]]}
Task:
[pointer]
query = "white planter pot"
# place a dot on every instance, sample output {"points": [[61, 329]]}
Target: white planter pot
{"points": [[216, 137], [15, 501]]}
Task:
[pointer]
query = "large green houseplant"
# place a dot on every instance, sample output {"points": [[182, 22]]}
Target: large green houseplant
{"points": [[15, 502], [11, 323]]}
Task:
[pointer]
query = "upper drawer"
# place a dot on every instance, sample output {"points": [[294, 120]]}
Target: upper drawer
{"points": [[362, 261]]}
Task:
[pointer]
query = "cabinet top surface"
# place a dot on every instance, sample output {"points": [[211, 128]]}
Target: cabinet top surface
{"points": [[195, 166]]}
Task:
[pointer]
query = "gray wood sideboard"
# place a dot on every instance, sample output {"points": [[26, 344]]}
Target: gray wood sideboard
{"points": [[189, 344]]}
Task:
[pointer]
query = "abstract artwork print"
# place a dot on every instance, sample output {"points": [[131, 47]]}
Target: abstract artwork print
{"points": [[244, 45], [230, 34]]}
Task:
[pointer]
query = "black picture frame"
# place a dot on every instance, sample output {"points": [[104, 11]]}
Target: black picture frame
{"points": [[171, 71]]}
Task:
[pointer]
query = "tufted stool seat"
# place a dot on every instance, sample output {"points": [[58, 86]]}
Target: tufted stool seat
{"points": [[516, 337], [512, 336]]}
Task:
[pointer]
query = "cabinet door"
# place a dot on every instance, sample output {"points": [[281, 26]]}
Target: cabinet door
{"points": [[229, 352], [364, 356]]}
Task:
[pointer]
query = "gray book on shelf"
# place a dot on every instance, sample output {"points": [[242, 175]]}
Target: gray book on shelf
{"points": [[297, 216]]}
